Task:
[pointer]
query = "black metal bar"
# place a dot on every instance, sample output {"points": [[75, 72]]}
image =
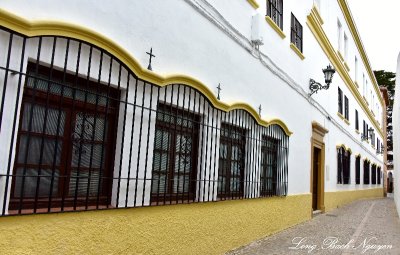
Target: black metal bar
{"points": [[211, 159], [59, 108], [130, 148], [194, 125], [118, 100], [122, 137], [215, 156], [30, 121], [3, 97], [167, 175], [140, 142], [89, 178], [201, 142], [13, 128], [147, 142], [83, 122], [180, 141], [206, 163], [162, 145], [44, 127]]}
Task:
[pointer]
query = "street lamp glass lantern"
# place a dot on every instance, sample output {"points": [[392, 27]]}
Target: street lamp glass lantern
{"points": [[328, 72]]}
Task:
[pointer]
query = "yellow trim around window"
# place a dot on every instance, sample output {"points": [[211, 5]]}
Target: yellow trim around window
{"points": [[352, 27], [297, 51], [343, 118], [57, 28], [331, 53], [275, 27], [344, 147], [253, 3]]}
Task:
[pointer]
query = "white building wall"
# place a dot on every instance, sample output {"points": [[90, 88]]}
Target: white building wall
{"points": [[210, 40]]}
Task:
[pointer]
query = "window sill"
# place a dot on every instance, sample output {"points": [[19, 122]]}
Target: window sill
{"points": [[254, 4], [340, 55], [297, 51], [357, 131], [275, 27], [343, 118], [347, 66]]}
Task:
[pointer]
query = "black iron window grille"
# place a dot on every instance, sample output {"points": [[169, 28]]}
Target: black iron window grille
{"points": [[358, 169], [340, 101], [373, 174], [343, 167], [357, 123], [232, 151], [80, 131], [296, 35], [366, 172], [346, 108], [275, 12], [269, 168], [379, 176]]}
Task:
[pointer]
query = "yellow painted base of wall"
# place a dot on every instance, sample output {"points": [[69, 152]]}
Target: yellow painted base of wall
{"points": [[199, 228], [336, 199]]}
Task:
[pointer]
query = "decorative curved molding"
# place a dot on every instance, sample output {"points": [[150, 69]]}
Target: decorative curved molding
{"points": [[367, 160], [56, 28], [344, 147]]}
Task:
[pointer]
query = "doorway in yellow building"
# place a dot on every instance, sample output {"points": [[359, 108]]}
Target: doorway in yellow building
{"points": [[317, 167]]}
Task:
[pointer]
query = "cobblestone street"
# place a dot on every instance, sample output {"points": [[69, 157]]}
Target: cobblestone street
{"points": [[362, 227]]}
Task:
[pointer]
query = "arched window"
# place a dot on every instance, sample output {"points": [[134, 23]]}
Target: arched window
{"points": [[366, 172], [343, 167], [275, 11], [379, 175], [373, 174], [357, 168]]}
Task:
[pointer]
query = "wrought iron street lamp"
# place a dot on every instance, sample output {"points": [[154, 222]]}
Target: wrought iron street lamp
{"points": [[329, 71]]}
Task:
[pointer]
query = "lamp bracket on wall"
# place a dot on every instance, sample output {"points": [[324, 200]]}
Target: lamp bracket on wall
{"points": [[315, 86]]}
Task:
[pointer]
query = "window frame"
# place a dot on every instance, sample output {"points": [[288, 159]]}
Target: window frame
{"points": [[267, 190], [275, 12], [358, 170], [340, 101], [174, 130], [356, 120], [366, 172], [224, 191], [296, 33]]}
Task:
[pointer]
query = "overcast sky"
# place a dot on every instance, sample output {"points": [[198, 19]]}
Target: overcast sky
{"points": [[378, 23]]}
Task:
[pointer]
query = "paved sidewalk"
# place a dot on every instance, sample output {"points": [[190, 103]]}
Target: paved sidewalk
{"points": [[362, 227]]}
